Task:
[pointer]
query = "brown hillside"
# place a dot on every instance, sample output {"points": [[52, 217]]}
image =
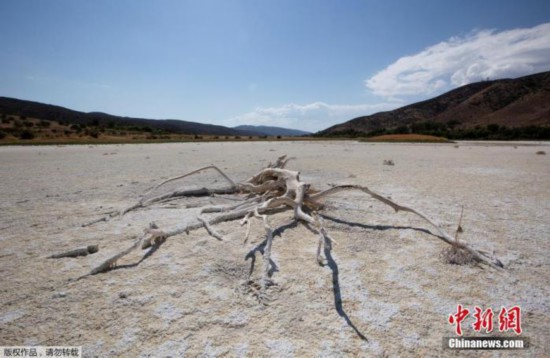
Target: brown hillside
{"points": [[510, 102], [17, 108]]}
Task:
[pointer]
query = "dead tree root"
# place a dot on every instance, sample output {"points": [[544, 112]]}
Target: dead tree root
{"points": [[271, 190]]}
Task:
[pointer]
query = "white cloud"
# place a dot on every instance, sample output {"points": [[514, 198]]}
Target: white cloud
{"points": [[462, 60], [309, 117]]}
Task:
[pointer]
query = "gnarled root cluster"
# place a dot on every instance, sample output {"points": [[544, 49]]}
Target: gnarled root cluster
{"points": [[273, 189]]}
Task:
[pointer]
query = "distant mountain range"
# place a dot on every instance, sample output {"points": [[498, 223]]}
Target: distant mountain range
{"points": [[505, 103], [273, 131], [18, 107]]}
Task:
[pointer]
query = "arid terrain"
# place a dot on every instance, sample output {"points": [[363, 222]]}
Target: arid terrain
{"points": [[384, 279], [512, 103]]}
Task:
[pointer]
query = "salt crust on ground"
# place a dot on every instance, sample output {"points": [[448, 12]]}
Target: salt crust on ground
{"points": [[184, 300]]}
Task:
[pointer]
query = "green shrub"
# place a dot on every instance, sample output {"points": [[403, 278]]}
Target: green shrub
{"points": [[26, 135], [94, 133], [76, 128]]}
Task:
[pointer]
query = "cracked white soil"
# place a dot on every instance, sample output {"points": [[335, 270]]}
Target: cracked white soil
{"points": [[385, 278]]}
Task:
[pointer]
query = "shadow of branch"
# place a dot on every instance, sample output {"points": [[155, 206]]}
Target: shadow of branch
{"points": [[336, 288], [375, 227], [148, 254]]}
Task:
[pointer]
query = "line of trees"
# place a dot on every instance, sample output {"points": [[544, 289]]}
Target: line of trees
{"points": [[453, 130]]}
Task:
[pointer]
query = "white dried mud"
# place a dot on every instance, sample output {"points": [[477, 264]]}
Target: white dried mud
{"points": [[385, 276]]}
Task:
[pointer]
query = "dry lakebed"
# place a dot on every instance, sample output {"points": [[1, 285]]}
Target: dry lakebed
{"points": [[385, 289]]}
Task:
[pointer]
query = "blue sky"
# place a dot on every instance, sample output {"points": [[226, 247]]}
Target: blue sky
{"points": [[297, 63]]}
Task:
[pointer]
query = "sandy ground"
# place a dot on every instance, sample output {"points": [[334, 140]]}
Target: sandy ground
{"points": [[385, 279]]}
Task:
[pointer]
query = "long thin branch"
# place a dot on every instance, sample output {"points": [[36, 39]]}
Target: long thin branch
{"points": [[480, 257], [231, 182], [210, 229], [153, 233]]}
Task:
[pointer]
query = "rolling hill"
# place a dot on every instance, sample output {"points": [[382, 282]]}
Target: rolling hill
{"points": [[273, 131], [22, 108], [505, 104]]}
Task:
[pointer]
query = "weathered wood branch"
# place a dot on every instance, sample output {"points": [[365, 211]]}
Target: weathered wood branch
{"points": [[480, 256], [273, 189]]}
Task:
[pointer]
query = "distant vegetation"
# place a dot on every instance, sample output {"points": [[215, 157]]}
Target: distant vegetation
{"points": [[406, 138], [15, 129], [26, 128], [452, 131], [28, 122], [507, 109], [23, 111]]}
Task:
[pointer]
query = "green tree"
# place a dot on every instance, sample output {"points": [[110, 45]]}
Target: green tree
{"points": [[26, 135]]}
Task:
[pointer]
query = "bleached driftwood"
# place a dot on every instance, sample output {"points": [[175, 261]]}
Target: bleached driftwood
{"points": [[273, 189]]}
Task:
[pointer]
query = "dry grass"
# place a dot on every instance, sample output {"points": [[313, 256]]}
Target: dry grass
{"points": [[456, 256], [408, 138]]}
